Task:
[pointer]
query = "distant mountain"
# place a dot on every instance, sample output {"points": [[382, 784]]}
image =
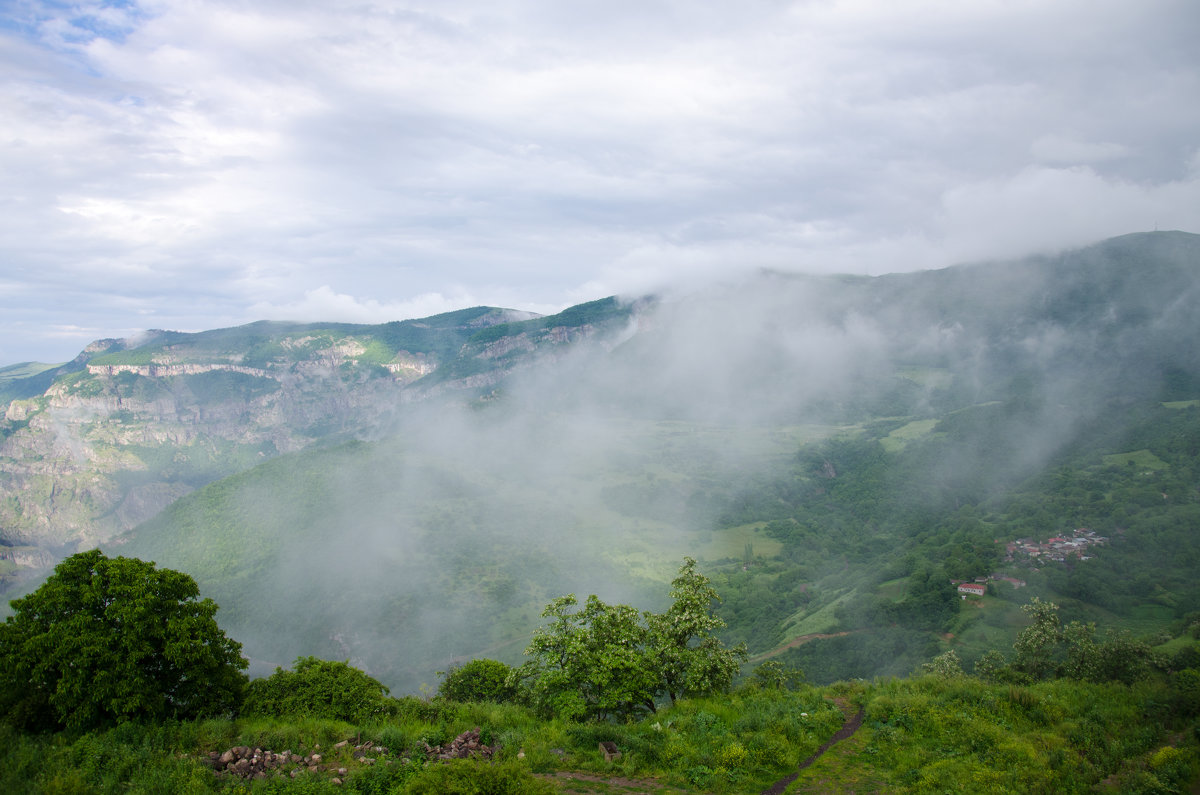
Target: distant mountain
{"points": [[96, 446], [406, 494]]}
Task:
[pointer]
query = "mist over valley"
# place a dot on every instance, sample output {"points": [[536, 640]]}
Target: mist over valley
{"points": [[833, 450]]}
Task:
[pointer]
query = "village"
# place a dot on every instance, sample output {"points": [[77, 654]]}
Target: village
{"points": [[1057, 549]]}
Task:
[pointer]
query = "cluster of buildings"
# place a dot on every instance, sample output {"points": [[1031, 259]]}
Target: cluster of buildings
{"points": [[1057, 549]]}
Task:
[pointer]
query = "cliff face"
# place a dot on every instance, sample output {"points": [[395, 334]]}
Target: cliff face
{"points": [[105, 449], [129, 429]]}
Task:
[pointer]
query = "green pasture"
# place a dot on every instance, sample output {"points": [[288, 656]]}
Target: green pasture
{"points": [[823, 619], [1142, 459], [897, 439]]}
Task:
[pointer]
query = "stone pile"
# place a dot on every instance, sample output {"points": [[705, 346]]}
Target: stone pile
{"points": [[464, 746], [366, 753], [245, 762]]}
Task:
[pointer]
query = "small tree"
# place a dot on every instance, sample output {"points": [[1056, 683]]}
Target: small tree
{"points": [[1037, 644], [992, 667], [683, 650], [607, 660], [946, 665], [104, 641], [589, 663], [774, 675]]}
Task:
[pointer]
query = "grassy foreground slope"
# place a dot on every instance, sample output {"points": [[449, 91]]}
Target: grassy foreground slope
{"points": [[920, 735]]}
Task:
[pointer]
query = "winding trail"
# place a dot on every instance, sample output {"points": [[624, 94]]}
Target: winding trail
{"points": [[848, 729]]}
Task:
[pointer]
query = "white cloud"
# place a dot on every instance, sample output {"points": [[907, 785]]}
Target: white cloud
{"points": [[535, 154], [1059, 207], [324, 303], [1066, 150]]}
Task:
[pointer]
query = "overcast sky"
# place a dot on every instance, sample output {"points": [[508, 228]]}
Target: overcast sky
{"points": [[190, 165]]}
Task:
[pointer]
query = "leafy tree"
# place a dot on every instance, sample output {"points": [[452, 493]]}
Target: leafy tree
{"points": [[319, 688], [605, 660], [1046, 648], [478, 680], [683, 650], [107, 640], [992, 667], [590, 662], [774, 675], [1036, 644], [944, 666], [1118, 658]]}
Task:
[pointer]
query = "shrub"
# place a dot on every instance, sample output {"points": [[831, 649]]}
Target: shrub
{"points": [[468, 777], [319, 689], [478, 680]]}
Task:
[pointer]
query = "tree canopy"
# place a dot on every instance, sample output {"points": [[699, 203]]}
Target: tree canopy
{"points": [[605, 660], [106, 640]]}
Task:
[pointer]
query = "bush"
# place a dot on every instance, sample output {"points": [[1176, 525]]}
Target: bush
{"points": [[319, 689], [468, 777], [478, 680]]}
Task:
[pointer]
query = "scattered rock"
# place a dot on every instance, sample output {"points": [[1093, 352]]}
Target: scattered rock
{"points": [[465, 746]]}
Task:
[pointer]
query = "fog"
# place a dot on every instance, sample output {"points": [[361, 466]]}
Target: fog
{"points": [[596, 466]]}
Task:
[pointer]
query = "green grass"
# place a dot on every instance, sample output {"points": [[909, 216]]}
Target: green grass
{"points": [[929, 735], [1181, 404], [15, 372], [920, 735], [892, 589], [1142, 459], [820, 620], [731, 543], [1144, 620], [897, 439]]}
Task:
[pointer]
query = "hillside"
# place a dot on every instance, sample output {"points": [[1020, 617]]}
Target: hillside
{"points": [[835, 449], [93, 447]]}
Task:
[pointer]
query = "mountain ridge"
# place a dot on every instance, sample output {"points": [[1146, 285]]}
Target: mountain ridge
{"points": [[560, 453]]}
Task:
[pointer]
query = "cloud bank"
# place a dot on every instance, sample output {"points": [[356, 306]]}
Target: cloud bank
{"points": [[187, 165]]}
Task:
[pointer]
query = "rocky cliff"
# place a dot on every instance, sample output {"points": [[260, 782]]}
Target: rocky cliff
{"points": [[130, 427]]}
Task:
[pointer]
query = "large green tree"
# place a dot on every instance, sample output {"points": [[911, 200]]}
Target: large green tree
{"points": [[106, 640]]}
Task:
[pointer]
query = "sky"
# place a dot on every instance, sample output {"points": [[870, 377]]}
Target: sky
{"points": [[190, 165]]}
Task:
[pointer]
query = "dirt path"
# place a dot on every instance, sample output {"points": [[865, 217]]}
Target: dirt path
{"points": [[848, 729]]}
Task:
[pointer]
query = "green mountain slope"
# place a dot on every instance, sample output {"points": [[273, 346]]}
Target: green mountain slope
{"points": [[95, 446], [835, 451]]}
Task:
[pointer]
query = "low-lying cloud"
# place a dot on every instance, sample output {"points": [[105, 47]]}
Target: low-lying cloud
{"points": [[179, 166]]}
